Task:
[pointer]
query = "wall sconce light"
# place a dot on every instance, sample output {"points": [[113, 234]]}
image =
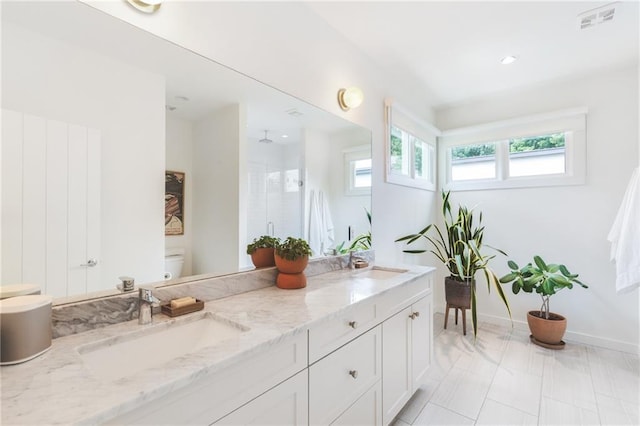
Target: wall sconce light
{"points": [[350, 98], [146, 6]]}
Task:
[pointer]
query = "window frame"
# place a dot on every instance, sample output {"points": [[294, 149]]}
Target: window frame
{"points": [[572, 122], [352, 155], [416, 129]]}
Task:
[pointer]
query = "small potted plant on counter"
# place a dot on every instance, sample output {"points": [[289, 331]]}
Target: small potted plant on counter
{"points": [[262, 251], [547, 328], [292, 257], [459, 246]]}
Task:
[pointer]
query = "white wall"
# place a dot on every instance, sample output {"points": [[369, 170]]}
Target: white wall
{"points": [[219, 179], [566, 224], [288, 47], [50, 79], [179, 157]]}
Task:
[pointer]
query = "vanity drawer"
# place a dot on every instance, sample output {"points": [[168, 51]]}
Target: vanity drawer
{"points": [[394, 301], [338, 380], [331, 334]]}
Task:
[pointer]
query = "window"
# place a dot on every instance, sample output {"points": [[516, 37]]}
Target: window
{"points": [[542, 150], [410, 155], [357, 170]]}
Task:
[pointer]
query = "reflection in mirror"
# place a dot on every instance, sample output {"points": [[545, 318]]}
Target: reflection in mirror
{"points": [[89, 128]]}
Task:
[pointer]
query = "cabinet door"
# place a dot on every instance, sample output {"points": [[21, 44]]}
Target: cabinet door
{"points": [[421, 340], [396, 363], [286, 404], [367, 410]]}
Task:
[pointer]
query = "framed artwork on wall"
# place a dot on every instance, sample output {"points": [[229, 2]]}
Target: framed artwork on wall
{"points": [[174, 203]]}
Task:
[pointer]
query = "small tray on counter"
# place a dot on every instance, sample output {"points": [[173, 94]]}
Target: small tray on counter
{"points": [[176, 312]]}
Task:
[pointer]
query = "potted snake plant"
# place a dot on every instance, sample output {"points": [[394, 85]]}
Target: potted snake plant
{"points": [[459, 245], [546, 279], [262, 251]]}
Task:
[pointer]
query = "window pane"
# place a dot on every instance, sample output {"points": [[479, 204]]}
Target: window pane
{"points": [[422, 159], [362, 173], [399, 146], [473, 162], [538, 155]]}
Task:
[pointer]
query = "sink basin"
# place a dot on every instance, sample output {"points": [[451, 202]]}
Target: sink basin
{"points": [[154, 345], [380, 273]]}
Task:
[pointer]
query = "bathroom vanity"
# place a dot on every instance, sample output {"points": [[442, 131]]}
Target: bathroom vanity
{"points": [[350, 348]]}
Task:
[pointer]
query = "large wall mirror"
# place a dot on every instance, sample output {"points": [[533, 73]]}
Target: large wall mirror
{"points": [[120, 148]]}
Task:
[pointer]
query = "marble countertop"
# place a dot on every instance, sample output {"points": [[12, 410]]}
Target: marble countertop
{"points": [[57, 387]]}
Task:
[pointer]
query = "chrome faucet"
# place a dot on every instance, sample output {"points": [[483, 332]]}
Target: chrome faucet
{"points": [[146, 300]]}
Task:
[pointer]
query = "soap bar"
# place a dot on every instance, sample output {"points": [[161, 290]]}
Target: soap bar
{"points": [[183, 301]]}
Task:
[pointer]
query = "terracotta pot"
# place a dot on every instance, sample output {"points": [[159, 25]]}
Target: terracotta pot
{"points": [[549, 331], [291, 266], [263, 257], [458, 293], [291, 281]]}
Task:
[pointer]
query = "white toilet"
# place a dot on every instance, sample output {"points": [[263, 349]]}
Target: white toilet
{"points": [[173, 261]]}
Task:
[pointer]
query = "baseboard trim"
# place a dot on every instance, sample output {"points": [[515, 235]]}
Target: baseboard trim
{"points": [[570, 336]]}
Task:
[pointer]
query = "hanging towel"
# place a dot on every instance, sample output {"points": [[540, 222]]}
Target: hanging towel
{"points": [[328, 236], [625, 238], [315, 225]]}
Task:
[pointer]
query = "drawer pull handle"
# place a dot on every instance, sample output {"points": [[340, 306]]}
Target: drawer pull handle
{"points": [[353, 373], [353, 324]]}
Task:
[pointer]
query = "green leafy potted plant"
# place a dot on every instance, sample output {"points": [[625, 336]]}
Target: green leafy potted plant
{"points": [[292, 257], [262, 251], [459, 246], [546, 279], [359, 243]]}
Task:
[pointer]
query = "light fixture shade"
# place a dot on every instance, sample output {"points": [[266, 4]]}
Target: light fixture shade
{"points": [[146, 6], [349, 98]]}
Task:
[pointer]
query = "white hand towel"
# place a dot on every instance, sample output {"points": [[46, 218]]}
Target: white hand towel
{"points": [[625, 238], [328, 236]]}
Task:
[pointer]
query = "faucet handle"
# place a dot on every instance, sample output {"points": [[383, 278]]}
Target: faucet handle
{"points": [[146, 294]]}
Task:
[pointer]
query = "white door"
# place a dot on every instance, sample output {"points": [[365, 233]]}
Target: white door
{"points": [[50, 204]]}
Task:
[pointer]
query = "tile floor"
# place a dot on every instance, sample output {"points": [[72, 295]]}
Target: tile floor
{"points": [[504, 379]]}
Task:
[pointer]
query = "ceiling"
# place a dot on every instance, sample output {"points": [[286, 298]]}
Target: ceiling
{"points": [[206, 84], [453, 48]]}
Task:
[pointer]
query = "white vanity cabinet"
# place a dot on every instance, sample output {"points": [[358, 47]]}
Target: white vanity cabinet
{"points": [[357, 366], [406, 354]]}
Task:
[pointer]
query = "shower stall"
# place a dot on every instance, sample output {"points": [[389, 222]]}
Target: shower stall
{"points": [[275, 188]]}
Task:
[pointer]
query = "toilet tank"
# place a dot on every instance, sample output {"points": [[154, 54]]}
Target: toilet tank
{"points": [[173, 261]]}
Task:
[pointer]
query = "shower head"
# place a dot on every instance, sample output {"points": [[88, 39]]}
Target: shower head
{"points": [[265, 139]]}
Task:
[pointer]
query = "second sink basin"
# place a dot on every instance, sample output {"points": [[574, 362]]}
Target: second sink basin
{"points": [[377, 273], [154, 345]]}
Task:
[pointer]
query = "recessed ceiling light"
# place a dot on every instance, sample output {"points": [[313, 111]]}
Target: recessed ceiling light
{"points": [[508, 60], [285, 136]]}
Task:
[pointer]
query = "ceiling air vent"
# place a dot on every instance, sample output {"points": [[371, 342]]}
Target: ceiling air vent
{"points": [[294, 112], [597, 16]]}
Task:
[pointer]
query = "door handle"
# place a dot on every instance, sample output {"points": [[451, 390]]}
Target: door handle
{"points": [[90, 263]]}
